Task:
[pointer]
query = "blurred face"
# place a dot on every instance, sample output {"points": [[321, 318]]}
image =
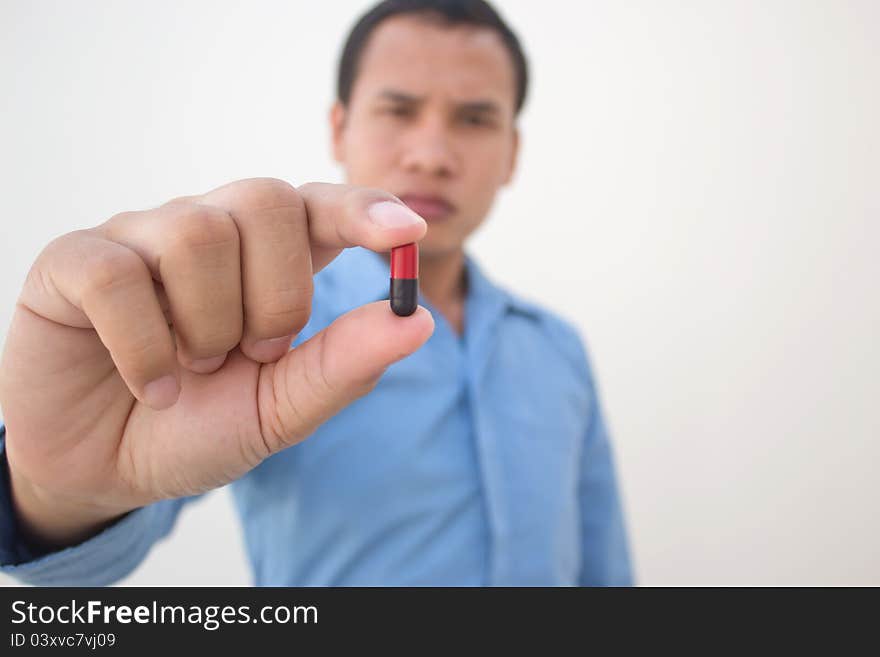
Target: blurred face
{"points": [[431, 120]]}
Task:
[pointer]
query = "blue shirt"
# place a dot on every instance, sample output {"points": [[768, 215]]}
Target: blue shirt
{"points": [[479, 460]]}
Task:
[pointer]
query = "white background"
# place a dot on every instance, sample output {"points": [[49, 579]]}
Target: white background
{"points": [[699, 191]]}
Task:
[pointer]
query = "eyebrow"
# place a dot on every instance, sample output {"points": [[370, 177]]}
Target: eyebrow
{"points": [[479, 106]]}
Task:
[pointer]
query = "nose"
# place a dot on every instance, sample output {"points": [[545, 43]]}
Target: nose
{"points": [[429, 151]]}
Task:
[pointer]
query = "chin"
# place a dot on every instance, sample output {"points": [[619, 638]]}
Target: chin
{"points": [[438, 248], [447, 238]]}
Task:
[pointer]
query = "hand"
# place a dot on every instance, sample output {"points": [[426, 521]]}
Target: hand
{"points": [[148, 357]]}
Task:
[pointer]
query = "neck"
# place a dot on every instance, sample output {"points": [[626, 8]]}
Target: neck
{"points": [[441, 279]]}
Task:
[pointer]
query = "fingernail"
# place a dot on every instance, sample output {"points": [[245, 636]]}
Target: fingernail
{"points": [[271, 349], [162, 392], [205, 365], [389, 214]]}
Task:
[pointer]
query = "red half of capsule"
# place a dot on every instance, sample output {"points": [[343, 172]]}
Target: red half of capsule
{"points": [[405, 261], [404, 293]]}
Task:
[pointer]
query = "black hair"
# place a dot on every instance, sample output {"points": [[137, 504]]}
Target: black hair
{"points": [[453, 12]]}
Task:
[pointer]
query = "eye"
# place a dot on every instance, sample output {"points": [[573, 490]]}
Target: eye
{"points": [[477, 120], [399, 110]]}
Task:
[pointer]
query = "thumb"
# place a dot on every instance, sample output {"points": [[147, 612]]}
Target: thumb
{"points": [[343, 362]]}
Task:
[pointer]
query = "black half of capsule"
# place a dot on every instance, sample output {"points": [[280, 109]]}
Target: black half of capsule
{"points": [[404, 296]]}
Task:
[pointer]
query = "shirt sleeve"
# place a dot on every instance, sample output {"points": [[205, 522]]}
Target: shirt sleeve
{"points": [[605, 548], [100, 560], [605, 552]]}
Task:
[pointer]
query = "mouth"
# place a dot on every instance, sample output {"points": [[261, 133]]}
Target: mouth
{"points": [[430, 208]]}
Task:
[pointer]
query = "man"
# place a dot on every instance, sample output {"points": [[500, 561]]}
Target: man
{"points": [[149, 359]]}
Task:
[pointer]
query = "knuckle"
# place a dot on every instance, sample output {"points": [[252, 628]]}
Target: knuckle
{"points": [[366, 387], [286, 311], [280, 320], [199, 226], [281, 419], [140, 353], [183, 200], [68, 241], [365, 384], [272, 193], [111, 267], [119, 217], [208, 343], [316, 372]]}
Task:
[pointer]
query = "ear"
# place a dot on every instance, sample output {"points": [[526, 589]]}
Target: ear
{"points": [[337, 128], [514, 158]]}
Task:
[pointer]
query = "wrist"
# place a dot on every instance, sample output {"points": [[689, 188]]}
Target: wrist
{"points": [[48, 522]]}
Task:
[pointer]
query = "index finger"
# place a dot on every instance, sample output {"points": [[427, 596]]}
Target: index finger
{"points": [[338, 215], [342, 216]]}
